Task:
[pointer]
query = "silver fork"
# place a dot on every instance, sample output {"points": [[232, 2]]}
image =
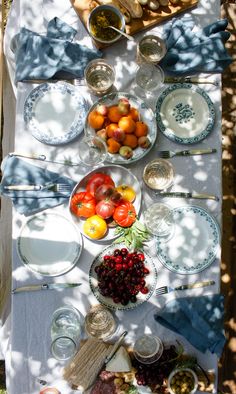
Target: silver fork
{"points": [[55, 187], [168, 289], [167, 154]]}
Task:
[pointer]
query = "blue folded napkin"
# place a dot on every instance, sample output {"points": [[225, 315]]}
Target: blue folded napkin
{"points": [[191, 52], [19, 172], [199, 319], [51, 56]]}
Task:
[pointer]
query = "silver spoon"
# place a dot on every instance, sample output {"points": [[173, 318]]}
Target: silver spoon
{"points": [[121, 32]]}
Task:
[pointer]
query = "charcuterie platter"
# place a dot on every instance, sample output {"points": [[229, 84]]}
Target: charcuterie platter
{"points": [[147, 17]]}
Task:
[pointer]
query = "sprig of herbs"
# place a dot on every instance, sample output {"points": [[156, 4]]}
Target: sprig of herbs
{"points": [[134, 236]]}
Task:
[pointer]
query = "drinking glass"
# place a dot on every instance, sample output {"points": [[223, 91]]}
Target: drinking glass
{"points": [[150, 49], [158, 219], [158, 174], [100, 323], [148, 349], [92, 150], [149, 77], [99, 76], [66, 330]]}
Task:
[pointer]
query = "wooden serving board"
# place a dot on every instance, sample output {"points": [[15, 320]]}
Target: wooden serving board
{"points": [[149, 18]]}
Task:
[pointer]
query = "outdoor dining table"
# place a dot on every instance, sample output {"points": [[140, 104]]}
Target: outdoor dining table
{"points": [[28, 356]]}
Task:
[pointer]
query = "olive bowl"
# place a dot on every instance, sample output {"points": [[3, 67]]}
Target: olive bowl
{"points": [[178, 372], [100, 34]]}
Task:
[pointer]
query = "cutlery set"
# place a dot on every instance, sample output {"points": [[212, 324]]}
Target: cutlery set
{"points": [[54, 187], [58, 286]]}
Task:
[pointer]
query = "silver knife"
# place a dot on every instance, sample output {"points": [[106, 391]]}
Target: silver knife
{"points": [[188, 195], [45, 286], [190, 80], [44, 158], [195, 285]]}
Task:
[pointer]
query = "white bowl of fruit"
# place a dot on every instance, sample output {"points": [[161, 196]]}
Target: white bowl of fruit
{"points": [[121, 279], [125, 123], [107, 197], [182, 381]]}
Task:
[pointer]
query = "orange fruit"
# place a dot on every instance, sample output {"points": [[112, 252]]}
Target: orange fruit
{"points": [[113, 145], [134, 114], [114, 113], [110, 128], [130, 140], [95, 120], [141, 129], [127, 124]]}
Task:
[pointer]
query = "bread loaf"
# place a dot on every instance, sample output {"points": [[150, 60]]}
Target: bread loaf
{"points": [[134, 7], [82, 371], [118, 5]]}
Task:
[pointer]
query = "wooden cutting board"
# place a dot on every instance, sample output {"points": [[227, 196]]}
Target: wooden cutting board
{"points": [[149, 18]]}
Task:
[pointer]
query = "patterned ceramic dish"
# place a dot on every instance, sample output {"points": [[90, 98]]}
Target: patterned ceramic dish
{"points": [[194, 244], [49, 244], [146, 115], [151, 280], [55, 113], [185, 113]]}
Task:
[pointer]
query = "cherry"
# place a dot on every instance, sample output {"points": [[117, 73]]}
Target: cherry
{"points": [[118, 259], [144, 290], [119, 267]]}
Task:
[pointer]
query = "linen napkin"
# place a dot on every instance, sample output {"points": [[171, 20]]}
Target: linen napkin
{"points": [[51, 56], [18, 172], [190, 52], [198, 319]]}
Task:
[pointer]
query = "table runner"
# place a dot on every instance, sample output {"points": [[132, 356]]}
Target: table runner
{"points": [[28, 355]]}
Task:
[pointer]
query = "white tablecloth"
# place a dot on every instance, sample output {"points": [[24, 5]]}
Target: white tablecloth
{"points": [[28, 356]]}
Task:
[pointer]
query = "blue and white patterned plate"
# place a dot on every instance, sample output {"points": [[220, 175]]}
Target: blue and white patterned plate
{"points": [[147, 116], [185, 113], [151, 280], [55, 113], [195, 242]]}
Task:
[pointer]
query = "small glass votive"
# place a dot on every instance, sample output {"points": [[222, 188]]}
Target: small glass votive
{"points": [[158, 219], [148, 349], [158, 175], [99, 76], [92, 150], [151, 49], [66, 330], [149, 77], [100, 323]]}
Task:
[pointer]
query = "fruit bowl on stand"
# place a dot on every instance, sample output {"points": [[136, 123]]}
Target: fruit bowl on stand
{"points": [[125, 123], [96, 201], [122, 280]]}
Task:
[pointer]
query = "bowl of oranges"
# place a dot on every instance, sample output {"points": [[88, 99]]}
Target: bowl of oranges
{"points": [[125, 123]]}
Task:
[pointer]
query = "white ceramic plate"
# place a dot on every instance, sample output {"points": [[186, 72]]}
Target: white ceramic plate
{"points": [[151, 280], [49, 244], [195, 242], [121, 176], [147, 116], [55, 113], [185, 113]]}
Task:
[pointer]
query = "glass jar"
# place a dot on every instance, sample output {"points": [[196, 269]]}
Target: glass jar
{"points": [[148, 349], [66, 330]]}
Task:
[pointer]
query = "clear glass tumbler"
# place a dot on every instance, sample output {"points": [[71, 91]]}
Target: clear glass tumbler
{"points": [[100, 323], [148, 349], [158, 219], [92, 150], [158, 174], [149, 77], [150, 49], [99, 76], [66, 330]]}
